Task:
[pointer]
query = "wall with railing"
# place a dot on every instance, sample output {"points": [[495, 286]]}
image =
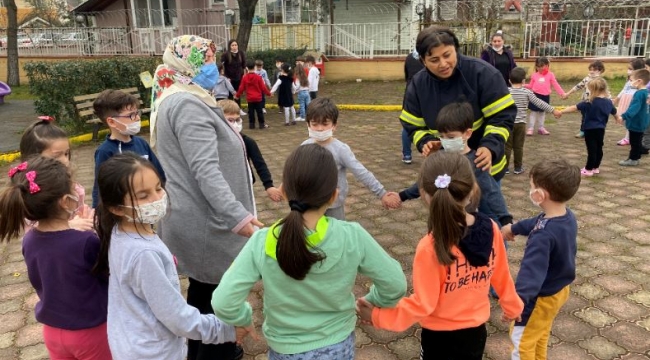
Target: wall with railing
{"points": [[564, 38]]}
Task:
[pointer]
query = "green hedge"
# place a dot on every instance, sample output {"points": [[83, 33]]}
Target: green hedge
{"points": [[56, 83]]}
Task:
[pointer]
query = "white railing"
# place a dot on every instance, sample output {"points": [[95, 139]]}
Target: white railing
{"points": [[368, 40]]}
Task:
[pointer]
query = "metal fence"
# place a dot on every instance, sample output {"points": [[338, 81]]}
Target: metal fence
{"points": [[563, 38]]}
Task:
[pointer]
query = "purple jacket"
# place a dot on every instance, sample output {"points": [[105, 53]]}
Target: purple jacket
{"points": [[488, 55]]}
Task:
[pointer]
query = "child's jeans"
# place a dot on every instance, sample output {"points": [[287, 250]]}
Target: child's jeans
{"points": [[303, 102], [255, 107], [406, 144], [77, 344], [340, 351]]}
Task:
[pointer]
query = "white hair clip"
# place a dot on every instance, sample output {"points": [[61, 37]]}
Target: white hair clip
{"points": [[443, 181]]}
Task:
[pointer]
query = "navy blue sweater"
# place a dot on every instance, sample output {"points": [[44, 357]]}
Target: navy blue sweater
{"points": [[111, 147], [596, 113], [549, 262]]}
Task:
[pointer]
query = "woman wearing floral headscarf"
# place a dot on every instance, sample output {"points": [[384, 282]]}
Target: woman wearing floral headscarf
{"points": [[212, 212]]}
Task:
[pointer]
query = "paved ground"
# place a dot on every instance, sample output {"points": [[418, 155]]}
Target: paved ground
{"points": [[15, 116], [607, 316]]}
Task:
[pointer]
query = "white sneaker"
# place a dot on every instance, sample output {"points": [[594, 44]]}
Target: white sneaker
{"points": [[300, 119], [263, 111], [242, 113]]}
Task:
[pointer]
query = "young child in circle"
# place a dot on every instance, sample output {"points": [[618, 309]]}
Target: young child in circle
{"points": [[636, 116], [623, 99], [285, 89], [148, 317], [595, 113], [454, 266], [541, 83], [46, 139], [308, 263], [73, 299]]}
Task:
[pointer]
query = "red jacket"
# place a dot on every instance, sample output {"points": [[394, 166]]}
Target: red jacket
{"points": [[253, 85]]}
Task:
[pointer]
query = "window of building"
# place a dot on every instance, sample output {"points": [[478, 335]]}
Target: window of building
{"points": [[290, 11], [153, 13]]}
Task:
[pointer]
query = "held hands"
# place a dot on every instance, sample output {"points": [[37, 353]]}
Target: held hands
{"points": [[391, 200], [557, 113], [249, 228], [508, 320], [507, 233], [364, 310], [431, 147], [619, 119], [242, 332], [274, 194], [483, 158]]}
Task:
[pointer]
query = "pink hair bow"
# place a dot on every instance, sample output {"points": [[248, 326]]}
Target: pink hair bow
{"points": [[15, 169], [33, 187], [46, 118]]}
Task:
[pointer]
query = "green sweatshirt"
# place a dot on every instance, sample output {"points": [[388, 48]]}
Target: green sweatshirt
{"points": [[319, 310]]}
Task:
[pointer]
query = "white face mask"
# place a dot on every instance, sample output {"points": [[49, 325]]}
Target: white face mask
{"points": [[530, 194], [149, 213], [629, 72], [237, 125], [76, 200], [131, 129], [497, 48], [320, 136], [456, 144], [594, 74]]}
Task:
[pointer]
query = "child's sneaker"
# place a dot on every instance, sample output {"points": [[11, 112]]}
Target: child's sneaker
{"points": [[585, 172], [543, 131], [299, 119], [581, 134], [629, 162], [596, 171], [407, 159], [529, 132], [623, 142], [519, 170], [242, 113], [263, 111], [507, 171]]}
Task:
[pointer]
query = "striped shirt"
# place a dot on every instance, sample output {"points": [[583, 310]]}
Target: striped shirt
{"points": [[583, 85], [522, 97]]}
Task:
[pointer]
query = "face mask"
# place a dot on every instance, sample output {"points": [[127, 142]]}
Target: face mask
{"points": [[149, 213], [237, 125], [76, 200], [530, 195], [629, 72], [130, 129], [456, 144], [320, 135], [497, 48], [544, 71], [594, 74], [207, 77]]}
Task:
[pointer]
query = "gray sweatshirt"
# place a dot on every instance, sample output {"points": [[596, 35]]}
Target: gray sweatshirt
{"points": [[345, 160], [223, 88], [148, 317]]}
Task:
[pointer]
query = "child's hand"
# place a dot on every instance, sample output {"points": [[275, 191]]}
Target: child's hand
{"points": [[508, 320], [431, 147], [81, 224], [557, 113], [364, 310], [235, 98], [274, 194], [391, 200], [249, 228], [619, 119], [506, 231], [242, 332]]}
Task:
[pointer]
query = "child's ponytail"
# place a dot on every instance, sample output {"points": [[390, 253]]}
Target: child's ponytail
{"points": [[448, 182], [12, 213], [309, 182]]}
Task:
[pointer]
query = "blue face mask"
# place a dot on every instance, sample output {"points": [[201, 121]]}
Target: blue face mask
{"points": [[207, 77]]}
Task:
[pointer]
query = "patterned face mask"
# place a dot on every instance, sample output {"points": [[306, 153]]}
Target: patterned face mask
{"points": [[149, 213]]}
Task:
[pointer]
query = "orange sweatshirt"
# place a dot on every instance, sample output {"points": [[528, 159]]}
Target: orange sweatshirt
{"points": [[452, 297]]}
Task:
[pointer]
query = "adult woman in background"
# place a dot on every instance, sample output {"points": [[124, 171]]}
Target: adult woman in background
{"points": [[499, 57], [233, 61]]}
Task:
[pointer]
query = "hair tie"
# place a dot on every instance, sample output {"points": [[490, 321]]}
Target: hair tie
{"points": [[443, 181], [15, 169], [298, 206], [46, 118], [31, 177]]}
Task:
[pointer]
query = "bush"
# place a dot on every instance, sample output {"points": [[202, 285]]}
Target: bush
{"points": [[56, 83], [269, 56]]}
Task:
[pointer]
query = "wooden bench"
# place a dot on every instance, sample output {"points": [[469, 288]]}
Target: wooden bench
{"points": [[84, 106]]}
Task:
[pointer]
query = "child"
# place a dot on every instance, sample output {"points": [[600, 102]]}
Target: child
{"points": [[595, 112], [308, 264], [455, 263], [119, 111], [622, 101], [46, 139], [145, 304], [322, 116], [259, 70], [224, 88], [231, 112], [548, 265], [523, 97], [72, 300], [284, 87], [278, 70], [302, 85], [254, 87], [540, 84], [314, 76], [646, 134], [636, 117], [596, 70]]}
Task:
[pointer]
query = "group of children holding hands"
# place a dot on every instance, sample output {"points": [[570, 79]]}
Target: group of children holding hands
{"points": [[302, 80]]}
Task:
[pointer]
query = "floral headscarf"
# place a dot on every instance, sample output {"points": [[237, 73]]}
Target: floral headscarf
{"points": [[182, 61]]}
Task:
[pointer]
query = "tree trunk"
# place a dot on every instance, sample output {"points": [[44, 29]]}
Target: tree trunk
{"points": [[246, 14], [13, 76]]}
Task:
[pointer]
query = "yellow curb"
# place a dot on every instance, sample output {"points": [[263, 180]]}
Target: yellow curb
{"points": [[352, 107], [12, 156]]}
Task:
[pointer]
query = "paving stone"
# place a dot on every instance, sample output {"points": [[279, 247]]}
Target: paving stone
{"points": [[14, 291], [9, 306], [374, 352], [569, 328], [635, 357], [615, 284], [590, 291], [641, 297], [602, 348], [34, 352], [645, 323], [630, 336], [361, 338], [29, 335], [7, 339], [11, 268], [384, 336], [12, 321], [568, 351], [406, 348], [622, 308], [595, 317], [498, 346], [10, 353]]}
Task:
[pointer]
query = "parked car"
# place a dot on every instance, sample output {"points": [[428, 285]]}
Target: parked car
{"points": [[46, 39], [24, 41], [73, 39]]}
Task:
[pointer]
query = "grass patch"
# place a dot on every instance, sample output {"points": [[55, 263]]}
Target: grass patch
{"points": [[21, 93]]}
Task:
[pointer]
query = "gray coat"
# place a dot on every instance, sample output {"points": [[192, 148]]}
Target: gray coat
{"points": [[208, 183]]}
